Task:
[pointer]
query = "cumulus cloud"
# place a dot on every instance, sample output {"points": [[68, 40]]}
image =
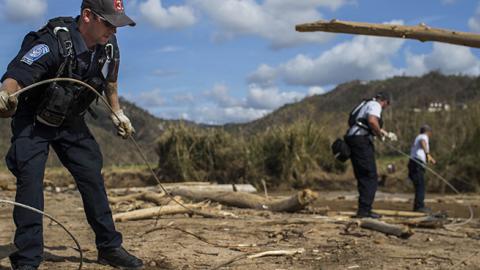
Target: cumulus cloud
{"points": [[448, 59], [272, 19], [270, 98], [220, 107], [316, 90], [187, 98], [24, 10], [151, 99], [474, 22], [173, 17], [221, 96], [363, 58], [265, 75], [215, 115]]}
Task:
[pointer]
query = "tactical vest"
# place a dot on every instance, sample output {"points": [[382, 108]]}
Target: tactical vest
{"points": [[60, 101], [362, 122]]}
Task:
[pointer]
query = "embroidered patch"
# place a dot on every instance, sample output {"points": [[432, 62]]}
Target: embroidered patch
{"points": [[35, 53]]}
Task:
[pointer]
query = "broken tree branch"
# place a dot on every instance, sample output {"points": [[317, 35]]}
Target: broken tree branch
{"points": [[389, 229], [245, 200], [289, 252], [420, 32]]}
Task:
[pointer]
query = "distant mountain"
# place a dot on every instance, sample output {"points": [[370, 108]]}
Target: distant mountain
{"points": [[116, 151], [405, 92], [330, 110]]}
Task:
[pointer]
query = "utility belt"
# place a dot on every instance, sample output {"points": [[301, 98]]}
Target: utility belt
{"points": [[61, 101]]}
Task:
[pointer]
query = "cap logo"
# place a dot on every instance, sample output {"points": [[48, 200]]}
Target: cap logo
{"points": [[118, 5]]}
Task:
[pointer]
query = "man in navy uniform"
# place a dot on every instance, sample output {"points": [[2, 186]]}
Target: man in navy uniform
{"points": [[83, 48], [367, 125]]}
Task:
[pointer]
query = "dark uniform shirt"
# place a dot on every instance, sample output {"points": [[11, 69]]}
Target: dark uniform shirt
{"points": [[39, 58]]}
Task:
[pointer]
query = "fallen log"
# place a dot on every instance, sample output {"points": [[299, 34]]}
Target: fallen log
{"points": [[200, 186], [174, 209], [289, 252], [398, 213], [154, 212], [245, 200], [389, 229], [419, 32]]}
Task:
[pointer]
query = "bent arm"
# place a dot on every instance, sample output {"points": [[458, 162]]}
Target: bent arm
{"points": [[375, 125], [112, 96]]}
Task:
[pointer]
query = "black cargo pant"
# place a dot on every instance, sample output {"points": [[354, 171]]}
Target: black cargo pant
{"points": [[365, 170], [416, 173], [80, 154]]}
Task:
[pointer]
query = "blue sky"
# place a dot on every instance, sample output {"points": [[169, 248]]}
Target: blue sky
{"points": [[219, 61]]}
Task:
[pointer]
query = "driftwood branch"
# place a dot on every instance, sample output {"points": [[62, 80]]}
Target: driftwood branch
{"points": [[153, 212], [245, 200], [420, 32], [389, 229], [289, 252]]}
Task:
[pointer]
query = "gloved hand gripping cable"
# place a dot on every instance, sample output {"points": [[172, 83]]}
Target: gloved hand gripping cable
{"points": [[118, 118]]}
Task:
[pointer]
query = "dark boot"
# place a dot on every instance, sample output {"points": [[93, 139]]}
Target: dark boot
{"points": [[368, 214], [119, 258], [24, 267]]}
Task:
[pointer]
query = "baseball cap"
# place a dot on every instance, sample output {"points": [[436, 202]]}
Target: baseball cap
{"points": [[112, 11], [425, 128], [383, 96]]}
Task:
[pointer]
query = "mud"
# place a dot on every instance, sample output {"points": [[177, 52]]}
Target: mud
{"points": [[326, 244]]}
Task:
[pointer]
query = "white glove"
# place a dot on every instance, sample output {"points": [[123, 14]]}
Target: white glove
{"points": [[391, 136], [7, 103], [123, 124]]}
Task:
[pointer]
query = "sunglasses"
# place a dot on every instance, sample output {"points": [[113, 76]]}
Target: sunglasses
{"points": [[104, 21]]}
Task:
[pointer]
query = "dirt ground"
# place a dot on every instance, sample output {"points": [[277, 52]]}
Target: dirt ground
{"points": [[324, 240]]}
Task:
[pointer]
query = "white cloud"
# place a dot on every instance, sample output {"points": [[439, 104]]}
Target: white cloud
{"points": [[187, 98], [363, 58], [265, 75], [474, 22], [220, 107], [273, 20], [169, 49], [173, 17], [221, 96], [270, 98], [151, 99], [215, 115], [316, 90], [24, 10], [448, 59]]}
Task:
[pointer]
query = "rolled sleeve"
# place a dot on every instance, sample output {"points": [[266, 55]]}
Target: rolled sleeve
{"points": [[374, 109]]}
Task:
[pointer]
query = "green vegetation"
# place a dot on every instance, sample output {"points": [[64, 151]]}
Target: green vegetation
{"points": [[285, 149], [283, 155]]}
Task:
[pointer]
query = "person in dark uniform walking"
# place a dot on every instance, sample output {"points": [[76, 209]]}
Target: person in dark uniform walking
{"points": [[419, 157], [83, 48], [365, 123]]}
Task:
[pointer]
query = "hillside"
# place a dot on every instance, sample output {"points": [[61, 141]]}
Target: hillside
{"points": [[116, 151], [405, 92], [290, 147]]}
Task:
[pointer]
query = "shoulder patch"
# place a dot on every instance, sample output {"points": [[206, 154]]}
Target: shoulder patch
{"points": [[35, 53]]}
